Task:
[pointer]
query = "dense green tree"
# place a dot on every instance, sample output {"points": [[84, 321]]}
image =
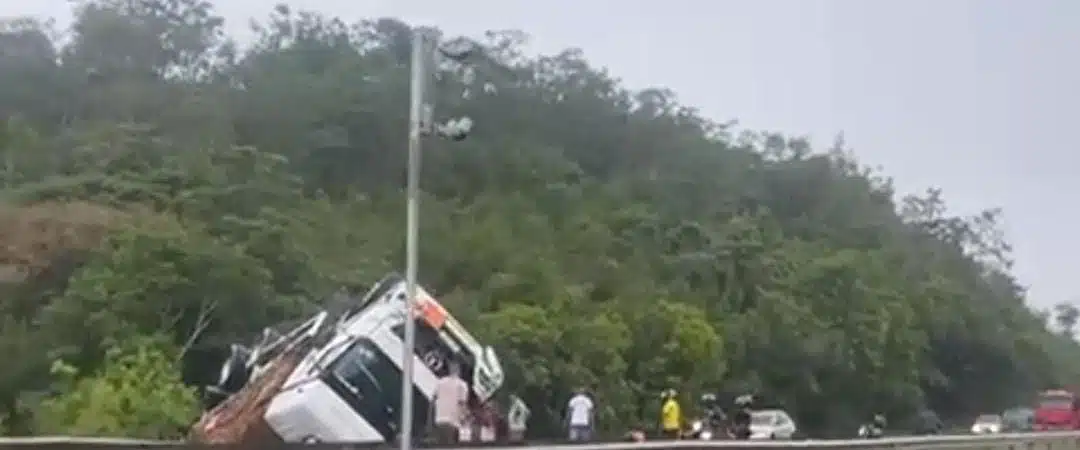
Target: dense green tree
{"points": [[1066, 316], [137, 392], [159, 181]]}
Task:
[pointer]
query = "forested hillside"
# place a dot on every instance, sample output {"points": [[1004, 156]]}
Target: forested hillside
{"points": [[166, 191]]}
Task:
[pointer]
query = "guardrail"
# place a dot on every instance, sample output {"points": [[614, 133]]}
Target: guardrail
{"points": [[1022, 441]]}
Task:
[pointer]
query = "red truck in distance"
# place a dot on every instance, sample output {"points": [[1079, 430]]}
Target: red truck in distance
{"points": [[1057, 410]]}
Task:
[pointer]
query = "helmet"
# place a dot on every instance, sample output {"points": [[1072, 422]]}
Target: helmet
{"points": [[708, 398], [744, 400], [668, 393]]}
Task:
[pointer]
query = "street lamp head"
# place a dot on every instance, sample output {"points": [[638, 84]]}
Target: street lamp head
{"points": [[458, 49]]}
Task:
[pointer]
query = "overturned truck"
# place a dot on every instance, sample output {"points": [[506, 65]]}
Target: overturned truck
{"points": [[337, 377]]}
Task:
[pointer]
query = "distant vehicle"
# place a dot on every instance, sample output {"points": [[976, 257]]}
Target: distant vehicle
{"points": [[1056, 410], [1018, 420], [987, 424], [771, 424]]}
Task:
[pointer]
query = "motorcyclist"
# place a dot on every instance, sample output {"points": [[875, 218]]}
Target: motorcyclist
{"points": [[741, 417], [714, 412], [712, 418]]}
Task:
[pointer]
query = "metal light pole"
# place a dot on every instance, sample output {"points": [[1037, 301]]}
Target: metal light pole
{"points": [[425, 46], [421, 56]]}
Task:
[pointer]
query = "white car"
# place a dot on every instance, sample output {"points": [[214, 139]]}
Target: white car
{"points": [[771, 424], [987, 424]]}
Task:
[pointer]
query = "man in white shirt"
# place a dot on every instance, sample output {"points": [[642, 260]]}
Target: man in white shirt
{"points": [[450, 405], [579, 415]]}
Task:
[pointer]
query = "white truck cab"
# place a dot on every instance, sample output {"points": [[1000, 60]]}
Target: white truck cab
{"points": [[348, 387]]}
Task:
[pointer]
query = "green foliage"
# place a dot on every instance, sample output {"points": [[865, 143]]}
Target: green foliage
{"points": [[160, 277], [159, 181], [137, 393]]}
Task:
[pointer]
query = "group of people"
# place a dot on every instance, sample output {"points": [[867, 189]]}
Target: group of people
{"points": [[453, 417], [580, 417]]}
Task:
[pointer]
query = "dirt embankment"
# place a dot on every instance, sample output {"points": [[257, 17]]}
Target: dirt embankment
{"points": [[34, 237]]}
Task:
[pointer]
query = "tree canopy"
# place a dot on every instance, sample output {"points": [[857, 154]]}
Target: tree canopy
{"points": [[166, 191]]}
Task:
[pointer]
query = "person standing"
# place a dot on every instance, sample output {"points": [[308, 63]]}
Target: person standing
{"points": [[670, 416], [450, 404], [579, 416]]}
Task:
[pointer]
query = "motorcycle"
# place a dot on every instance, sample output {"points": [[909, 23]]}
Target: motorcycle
{"points": [[740, 425], [870, 431], [711, 425], [740, 432], [702, 430]]}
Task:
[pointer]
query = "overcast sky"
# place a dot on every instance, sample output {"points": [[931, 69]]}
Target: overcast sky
{"points": [[977, 97]]}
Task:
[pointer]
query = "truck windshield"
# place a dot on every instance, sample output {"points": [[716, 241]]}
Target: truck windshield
{"points": [[374, 381]]}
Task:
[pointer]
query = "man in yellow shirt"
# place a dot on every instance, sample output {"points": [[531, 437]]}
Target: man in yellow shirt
{"points": [[670, 416]]}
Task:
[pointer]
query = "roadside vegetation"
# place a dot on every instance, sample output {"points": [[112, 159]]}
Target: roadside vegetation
{"points": [[165, 192]]}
